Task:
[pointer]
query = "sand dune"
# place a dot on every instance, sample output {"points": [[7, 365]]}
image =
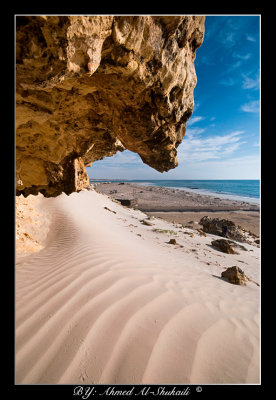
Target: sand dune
{"points": [[101, 304]]}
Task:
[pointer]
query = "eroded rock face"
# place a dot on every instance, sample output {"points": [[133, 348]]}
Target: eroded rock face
{"points": [[32, 225], [89, 86]]}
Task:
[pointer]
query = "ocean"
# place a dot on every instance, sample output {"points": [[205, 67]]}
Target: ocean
{"points": [[243, 190]]}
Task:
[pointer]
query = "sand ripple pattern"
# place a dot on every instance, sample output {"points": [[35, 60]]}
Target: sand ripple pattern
{"points": [[95, 306]]}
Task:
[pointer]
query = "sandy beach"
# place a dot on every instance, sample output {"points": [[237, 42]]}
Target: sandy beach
{"points": [[102, 297], [185, 207]]}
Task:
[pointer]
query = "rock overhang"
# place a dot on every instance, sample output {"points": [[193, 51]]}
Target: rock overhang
{"points": [[90, 86]]}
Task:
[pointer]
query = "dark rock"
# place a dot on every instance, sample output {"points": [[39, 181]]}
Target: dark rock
{"points": [[128, 202], [224, 245], [172, 241], [108, 209], [222, 227], [235, 275]]}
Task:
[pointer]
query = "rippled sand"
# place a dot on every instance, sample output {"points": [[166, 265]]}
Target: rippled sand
{"points": [[108, 300]]}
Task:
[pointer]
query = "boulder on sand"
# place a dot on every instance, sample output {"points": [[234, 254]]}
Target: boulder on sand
{"points": [[235, 275], [226, 246], [222, 227]]}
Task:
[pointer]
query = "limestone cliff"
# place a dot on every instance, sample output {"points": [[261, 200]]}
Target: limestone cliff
{"points": [[89, 86]]}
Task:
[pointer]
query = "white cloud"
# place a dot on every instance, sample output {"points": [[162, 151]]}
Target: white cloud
{"points": [[231, 68], [251, 107], [246, 167], [234, 66], [242, 56], [194, 120], [196, 106], [194, 131], [229, 38], [228, 82], [210, 148], [249, 83], [250, 38]]}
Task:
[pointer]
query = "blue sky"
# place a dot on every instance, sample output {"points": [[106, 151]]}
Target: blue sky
{"points": [[222, 139]]}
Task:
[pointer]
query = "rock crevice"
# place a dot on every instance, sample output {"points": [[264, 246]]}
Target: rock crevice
{"points": [[89, 86]]}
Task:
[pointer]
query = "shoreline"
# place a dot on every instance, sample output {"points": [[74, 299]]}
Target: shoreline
{"points": [[183, 206], [226, 196], [202, 209]]}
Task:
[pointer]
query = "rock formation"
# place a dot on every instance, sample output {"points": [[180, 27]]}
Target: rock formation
{"points": [[224, 245], [236, 276], [227, 246], [32, 225], [222, 227], [89, 86]]}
